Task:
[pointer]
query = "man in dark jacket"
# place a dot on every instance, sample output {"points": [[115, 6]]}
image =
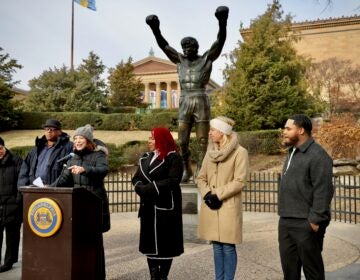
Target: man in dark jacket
{"points": [[306, 191], [10, 206], [41, 161]]}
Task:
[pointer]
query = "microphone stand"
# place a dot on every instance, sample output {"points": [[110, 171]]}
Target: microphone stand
{"points": [[61, 173]]}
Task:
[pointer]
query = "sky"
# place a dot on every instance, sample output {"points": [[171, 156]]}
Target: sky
{"points": [[37, 33]]}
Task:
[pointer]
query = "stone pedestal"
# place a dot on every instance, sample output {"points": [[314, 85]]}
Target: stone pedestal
{"points": [[190, 207]]}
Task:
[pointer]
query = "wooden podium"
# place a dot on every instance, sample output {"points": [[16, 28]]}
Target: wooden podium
{"points": [[61, 234]]}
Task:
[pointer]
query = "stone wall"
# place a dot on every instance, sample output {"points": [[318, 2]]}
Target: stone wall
{"points": [[346, 167]]}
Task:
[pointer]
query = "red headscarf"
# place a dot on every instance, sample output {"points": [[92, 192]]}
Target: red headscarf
{"points": [[164, 142]]}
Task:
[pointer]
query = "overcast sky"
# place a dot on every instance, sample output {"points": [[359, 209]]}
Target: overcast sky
{"points": [[38, 32]]}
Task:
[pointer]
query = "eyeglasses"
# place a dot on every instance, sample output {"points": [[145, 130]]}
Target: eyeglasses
{"points": [[50, 129]]}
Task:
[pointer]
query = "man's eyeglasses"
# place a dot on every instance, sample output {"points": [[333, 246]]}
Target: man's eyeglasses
{"points": [[50, 129]]}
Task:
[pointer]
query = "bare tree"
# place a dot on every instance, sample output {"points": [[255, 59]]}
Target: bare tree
{"points": [[337, 81]]}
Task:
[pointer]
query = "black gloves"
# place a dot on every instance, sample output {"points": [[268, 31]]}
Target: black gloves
{"points": [[212, 201], [145, 190], [140, 189]]}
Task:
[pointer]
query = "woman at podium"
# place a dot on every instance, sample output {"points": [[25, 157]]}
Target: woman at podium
{"points": [[157, 182], [87, 168]]}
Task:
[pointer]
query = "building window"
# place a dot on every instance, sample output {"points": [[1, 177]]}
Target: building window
{"points": [[152, 100], [163, 101]]}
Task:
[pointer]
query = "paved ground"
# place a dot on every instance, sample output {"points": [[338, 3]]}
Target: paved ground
{"points": [[258, 256]]}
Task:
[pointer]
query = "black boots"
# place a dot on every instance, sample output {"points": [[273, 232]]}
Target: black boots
{"points": [[154, 273], [4, 268], [159, 268]]}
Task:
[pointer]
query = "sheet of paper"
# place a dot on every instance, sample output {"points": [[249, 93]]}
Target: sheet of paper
{"points": [[38, 182]]}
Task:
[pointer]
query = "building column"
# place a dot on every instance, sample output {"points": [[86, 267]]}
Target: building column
{"points": [[146, 93], [158, 95], [168, 96]]}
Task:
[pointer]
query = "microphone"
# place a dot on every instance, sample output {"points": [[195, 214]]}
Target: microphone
{"points": [[65, 158]]}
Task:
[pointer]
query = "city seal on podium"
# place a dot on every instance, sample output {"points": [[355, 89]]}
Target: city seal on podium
{"points": [[44, 217]]}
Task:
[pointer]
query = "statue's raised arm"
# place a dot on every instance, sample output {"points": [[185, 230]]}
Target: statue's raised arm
{"points": [[154, 23], [221, 14]]}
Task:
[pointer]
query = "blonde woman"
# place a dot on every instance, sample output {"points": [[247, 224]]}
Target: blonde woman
{"points": [[221, 179]]}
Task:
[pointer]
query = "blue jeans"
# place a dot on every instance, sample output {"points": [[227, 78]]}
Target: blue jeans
{"points": [[225, 259]]}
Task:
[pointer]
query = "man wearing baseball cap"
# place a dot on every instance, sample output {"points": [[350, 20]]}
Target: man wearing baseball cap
{"points": [[41, 161]]}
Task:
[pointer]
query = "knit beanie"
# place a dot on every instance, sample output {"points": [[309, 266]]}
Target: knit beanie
{"points": [[2, 143], [223, 124], [85, 131]]}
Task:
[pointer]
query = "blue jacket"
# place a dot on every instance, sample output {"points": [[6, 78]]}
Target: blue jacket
{"points": [[306, 188], [28, 168]]}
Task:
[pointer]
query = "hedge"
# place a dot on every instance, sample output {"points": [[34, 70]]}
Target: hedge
{"points": [[118, 121]]}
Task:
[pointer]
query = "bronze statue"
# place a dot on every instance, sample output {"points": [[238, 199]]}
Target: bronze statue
{"points": [[194, 73]]}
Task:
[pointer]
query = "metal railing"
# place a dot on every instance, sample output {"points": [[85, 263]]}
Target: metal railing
{"points": [[261, 195]]}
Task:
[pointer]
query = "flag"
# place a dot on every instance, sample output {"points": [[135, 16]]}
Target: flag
{"points": [[87, 4]]}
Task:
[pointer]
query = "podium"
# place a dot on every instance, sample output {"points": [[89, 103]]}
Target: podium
{"points": [[62, 236]]}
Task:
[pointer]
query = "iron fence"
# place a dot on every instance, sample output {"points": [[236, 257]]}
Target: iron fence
{"points": [[261, 195]]}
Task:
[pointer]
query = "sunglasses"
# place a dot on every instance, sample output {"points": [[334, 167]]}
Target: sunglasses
{"points": [[50, 129]]}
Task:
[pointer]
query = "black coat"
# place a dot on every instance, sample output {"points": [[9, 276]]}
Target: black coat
{"points": [[62, 148], [161, 228], [96, 168], [10, 204]]}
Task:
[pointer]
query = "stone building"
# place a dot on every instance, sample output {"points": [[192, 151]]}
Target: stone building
{"points": [[326, 38], [161, 82]]}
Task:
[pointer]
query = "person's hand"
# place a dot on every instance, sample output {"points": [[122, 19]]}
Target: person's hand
{"points": [[222, 13], [314, 227], [75, 169], [212, 201], [139, 189], [153, 21]]}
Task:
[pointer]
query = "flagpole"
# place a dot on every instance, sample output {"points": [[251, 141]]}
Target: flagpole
{"points": [[72, 36]]}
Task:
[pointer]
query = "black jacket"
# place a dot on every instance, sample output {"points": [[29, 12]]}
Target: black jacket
{"points": [[306, 188], [96, 168], [10, 206], [62, 148], [161, 229]]}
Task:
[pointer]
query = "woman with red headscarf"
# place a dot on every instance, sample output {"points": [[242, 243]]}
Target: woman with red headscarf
{"points": [[157, 182]]}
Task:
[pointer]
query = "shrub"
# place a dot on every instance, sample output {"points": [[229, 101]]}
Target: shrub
{"points": [[163, 119], [133, 150], [115, 158], [340, 136], [21, 151], [262, 141]]}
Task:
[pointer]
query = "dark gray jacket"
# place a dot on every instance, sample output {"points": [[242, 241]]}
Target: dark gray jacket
{"points": [[306, 188], [10, 205], [96, 168]]}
